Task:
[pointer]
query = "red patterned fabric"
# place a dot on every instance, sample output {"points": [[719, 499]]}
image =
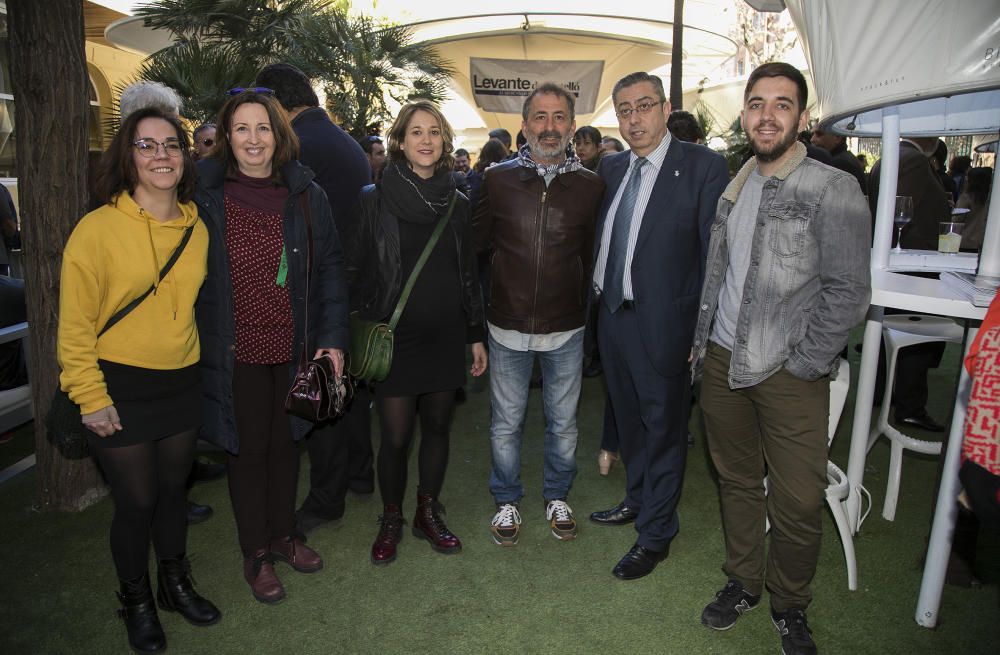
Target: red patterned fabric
{"points": [[262, 309], [982, 441]]}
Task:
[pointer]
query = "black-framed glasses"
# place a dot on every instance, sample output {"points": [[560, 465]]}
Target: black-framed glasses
{"points": [[641, 108], [149, 147], [255, 89]]}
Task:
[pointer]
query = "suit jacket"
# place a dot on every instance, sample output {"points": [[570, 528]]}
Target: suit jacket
{"points": [[918, 180], [669, 260]]}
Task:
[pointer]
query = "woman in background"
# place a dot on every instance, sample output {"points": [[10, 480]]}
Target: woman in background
{"points": [[444, 312], [136, 380], [264, 214]]}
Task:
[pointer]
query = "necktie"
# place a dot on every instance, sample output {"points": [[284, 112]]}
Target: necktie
{"points": [[614, 269]]}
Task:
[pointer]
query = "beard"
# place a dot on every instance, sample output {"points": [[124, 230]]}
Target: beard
{"points": [[534, 142], [775, 150]]}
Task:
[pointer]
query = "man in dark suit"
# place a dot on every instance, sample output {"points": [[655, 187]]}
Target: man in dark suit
{"points": [[340, 454], [649, 261]]}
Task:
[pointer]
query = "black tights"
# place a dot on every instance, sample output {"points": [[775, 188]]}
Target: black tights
{"points": [[397, 418], [148, 485]]}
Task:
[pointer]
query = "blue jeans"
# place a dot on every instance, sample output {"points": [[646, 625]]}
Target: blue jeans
{"points": [[510, 373]]}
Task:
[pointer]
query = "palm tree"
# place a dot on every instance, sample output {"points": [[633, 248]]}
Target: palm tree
{"points": [[358, 60]]}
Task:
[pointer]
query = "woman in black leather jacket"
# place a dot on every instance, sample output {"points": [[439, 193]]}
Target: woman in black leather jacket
{"points": [[443, 313]]}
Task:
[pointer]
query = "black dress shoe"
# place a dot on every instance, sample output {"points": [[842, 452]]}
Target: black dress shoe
{"points": [[922, 420], [202, 472], [620, 514], [197, 513], [638, 562]]}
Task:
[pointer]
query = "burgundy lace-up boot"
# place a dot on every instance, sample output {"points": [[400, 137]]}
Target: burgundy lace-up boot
{"points": [[427, 524], [390, 532]]}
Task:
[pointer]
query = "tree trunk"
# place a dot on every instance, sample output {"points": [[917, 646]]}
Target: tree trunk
{"points": [[51, 100], [677, 58]]}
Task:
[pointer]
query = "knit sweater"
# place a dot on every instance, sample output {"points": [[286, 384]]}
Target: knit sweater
{"points": [[114, 254]]}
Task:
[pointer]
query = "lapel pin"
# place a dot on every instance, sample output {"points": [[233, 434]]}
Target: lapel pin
{"points": [[677, 173]]}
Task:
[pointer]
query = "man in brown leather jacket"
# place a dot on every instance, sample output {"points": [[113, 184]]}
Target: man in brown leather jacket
{"points": [[535, 216]]}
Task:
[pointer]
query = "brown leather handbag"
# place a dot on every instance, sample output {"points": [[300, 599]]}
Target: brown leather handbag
{"points": [[317, 394]]}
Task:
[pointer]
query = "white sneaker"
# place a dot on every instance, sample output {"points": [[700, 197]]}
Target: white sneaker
{"points": [[560, 518], [506, 525]]}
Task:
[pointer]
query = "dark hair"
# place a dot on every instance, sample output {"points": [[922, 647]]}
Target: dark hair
{"points": [[615, 142], [397, 134], [201, 128], [636, 78], [461, 152], [116, 172], [290, 85], [978, 182], [367, 142], [521, 139], [683, 125], [941, 153], [779, 69], [501, 135], [549, 88], [493, 152], [590, 133], [286, 144], [960, 164]]}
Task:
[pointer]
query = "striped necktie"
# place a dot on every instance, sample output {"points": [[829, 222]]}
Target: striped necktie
{"points": [[614, 269]]}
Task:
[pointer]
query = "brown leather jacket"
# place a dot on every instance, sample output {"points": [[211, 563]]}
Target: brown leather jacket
{"points": [[540, 243]]}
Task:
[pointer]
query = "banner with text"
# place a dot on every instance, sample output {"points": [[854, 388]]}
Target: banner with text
{"points": [[501, 85]]}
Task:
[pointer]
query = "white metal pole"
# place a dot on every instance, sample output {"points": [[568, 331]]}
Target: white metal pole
{"points": [[989, 253], [888, 177], [945, 512]]}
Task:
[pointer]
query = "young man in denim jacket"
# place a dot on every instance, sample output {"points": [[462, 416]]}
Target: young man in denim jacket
{"points": [[787, 277]]}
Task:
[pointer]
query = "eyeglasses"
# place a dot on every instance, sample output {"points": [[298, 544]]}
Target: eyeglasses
{"points": [[255, 89], [149, 147], [641, 108]]}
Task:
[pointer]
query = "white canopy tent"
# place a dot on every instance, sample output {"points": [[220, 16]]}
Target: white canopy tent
{"points": [[912, 67]]}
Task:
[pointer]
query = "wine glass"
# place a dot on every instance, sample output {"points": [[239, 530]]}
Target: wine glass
{"points": [[902, 215]]}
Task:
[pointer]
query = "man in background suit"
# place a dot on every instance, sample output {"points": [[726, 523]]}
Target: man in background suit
{"points": [[648, 267]]}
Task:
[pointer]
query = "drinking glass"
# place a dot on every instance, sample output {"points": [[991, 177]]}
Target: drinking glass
{"points": [[902, 215]]}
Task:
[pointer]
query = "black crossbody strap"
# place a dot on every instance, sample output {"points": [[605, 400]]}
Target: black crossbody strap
{"points": [[309, 257], [420, 263], [124, 311]]}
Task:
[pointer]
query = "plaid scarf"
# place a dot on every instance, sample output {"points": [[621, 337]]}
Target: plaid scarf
{"points": [[568, 165]]}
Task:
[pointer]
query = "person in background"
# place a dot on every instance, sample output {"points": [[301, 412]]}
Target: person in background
{"points": [[587, 143], [340, 451], [136, 381], [957, 170], [204, 138], [492, 153], [9, 232], [396, 218], [375, 151], [976, 198], [462, 161], [843, 159], [610, 144], [863, 160], [268, 221], [685, 126], [503, 136], [939, 161]]}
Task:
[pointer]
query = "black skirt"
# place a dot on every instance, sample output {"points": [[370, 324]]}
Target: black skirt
{"points": [[152, 404]]}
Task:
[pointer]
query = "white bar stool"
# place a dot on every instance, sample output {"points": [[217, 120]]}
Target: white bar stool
{"points": [[900, 331]]}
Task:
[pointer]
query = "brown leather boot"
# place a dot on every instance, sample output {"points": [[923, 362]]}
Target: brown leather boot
{"points": [[291, 550], [390, 533], [427, 524], [259, 573]]}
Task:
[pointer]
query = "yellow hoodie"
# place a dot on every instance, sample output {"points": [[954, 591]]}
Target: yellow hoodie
{"points": [[114, 254]]}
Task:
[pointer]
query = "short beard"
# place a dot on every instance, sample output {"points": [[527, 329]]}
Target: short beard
{"points": [[779, 149], [554, 153]]}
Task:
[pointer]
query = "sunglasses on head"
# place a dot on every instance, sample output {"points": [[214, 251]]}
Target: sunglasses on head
{"points": [[255, 89]]}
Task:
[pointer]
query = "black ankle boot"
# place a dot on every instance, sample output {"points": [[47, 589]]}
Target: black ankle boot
{"points": [[175, 593], [145, 635]]}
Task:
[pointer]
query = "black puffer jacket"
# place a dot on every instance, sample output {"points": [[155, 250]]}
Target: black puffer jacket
{"points": [[374, 269], [214, 310]]}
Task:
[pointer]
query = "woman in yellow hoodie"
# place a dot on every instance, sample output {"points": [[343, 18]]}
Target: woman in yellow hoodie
{"points": [[136, 380]]}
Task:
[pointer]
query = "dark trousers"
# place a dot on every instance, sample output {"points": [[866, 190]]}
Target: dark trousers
{"points": [[651, 412], [264, 475], [340, 457], [776, 428]]}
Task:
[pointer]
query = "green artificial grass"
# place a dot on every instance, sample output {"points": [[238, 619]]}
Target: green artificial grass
{"points": [[543, 596]]}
